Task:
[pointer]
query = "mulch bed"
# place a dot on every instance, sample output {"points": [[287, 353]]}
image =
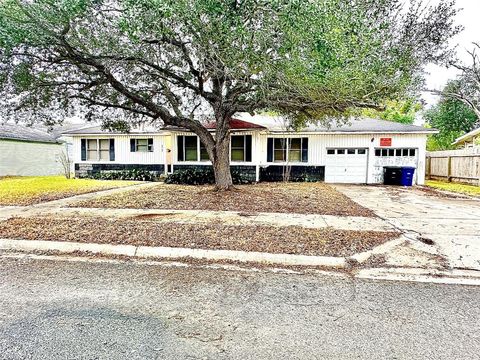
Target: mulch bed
{"points": [[290, 240], [300, 198]]}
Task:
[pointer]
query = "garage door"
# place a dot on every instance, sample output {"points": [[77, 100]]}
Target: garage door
{"points": [[348, 166]]}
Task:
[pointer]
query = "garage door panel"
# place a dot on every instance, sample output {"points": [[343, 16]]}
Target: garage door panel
{"points": [[346, 165]]}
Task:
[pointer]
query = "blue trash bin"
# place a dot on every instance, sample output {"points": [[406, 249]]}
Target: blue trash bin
{"points": [[407, 176]]}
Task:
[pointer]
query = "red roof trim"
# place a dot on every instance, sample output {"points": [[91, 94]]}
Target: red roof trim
{"points": [[237, 124]]}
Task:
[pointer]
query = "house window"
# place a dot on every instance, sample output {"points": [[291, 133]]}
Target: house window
{"points": [[279, 150], [190, 148], [295, 150], [141, 145], [203, 152], [241, 148], [104, 151], [98, 149], [287, 150], [92, 148], [395, 152]]}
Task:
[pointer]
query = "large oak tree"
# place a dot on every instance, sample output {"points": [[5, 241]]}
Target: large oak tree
{"points": [[185, 62]]}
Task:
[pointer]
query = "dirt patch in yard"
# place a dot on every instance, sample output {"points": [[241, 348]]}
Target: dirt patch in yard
{"points": [[290, 239], [300, 198]]}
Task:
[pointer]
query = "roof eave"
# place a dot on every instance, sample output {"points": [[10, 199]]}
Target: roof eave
{"points": [[466, 137], [426, 132], [30, 140], [119, 134]]}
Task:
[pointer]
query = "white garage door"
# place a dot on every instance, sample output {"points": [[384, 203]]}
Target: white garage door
{"points": [[348, 166]]}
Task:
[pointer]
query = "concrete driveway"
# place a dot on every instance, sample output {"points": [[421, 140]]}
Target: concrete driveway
{"points": [[452, 223]]}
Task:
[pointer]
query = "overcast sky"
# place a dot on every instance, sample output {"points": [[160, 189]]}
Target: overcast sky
{"points": [[469, 18]]}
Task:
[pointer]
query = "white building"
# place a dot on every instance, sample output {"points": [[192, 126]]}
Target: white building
{"points": [[470, 141], [261, 149]]}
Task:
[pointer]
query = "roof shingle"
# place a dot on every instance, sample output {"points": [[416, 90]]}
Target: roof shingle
{"points": [[24, 133]]}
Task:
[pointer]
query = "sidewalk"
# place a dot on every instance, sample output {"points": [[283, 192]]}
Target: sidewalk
{"points": [[196, 216], [407, 214], [64, 207]]}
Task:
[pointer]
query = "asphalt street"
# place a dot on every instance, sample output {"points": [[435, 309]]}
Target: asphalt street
{"points": [[126, 310]]}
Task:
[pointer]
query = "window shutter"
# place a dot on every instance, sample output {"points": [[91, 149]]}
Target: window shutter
{"points": [[270, 150], [132, 145], [248, 148], [112, 149], [150, 144], [305, 150], [180, 156], [83, 149]]}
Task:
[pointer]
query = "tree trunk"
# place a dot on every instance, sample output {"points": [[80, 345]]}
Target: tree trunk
{"points": [[221, 163], [218, 148]]}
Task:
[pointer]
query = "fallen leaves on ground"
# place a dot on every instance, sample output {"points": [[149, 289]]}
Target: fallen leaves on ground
{"points": [[289, 239], [300, 198]]}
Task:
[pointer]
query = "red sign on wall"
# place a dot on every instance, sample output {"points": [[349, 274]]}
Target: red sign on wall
{"points": [[385, 141]]}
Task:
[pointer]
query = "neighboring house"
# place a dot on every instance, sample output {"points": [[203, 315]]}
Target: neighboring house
{"points": [[25, 151], [470, 141], [261, 148]]}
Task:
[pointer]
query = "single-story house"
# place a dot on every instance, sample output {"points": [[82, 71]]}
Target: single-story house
{"points": [[470, 141], [262, 148], [25, 151]]}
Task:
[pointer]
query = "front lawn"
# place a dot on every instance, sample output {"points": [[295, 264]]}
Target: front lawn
{"points": [[214, 235], [300, 198], [454, 187], [36, 189]]}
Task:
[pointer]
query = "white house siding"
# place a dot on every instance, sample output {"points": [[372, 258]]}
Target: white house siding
{"points": [[317, 150], [319, 143], [123, 155], [23, 158]]}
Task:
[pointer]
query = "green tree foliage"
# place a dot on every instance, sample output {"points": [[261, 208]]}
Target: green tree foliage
{"points": [[466, 88], [452, 117], [401, 111], [179, 62]]}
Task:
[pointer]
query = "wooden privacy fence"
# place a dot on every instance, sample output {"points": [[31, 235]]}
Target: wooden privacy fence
{"points": [[454, 165]]}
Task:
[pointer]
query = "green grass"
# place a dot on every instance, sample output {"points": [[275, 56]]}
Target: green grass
{"points": [[455, 187], [36, 189]]}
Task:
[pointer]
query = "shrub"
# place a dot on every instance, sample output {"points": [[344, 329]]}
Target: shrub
{"points": [[201, 177], [134, 174]]}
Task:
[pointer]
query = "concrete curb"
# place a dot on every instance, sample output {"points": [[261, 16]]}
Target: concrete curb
{"points": [[381, 249], [446, 277], [67, 247], [173, 253]]}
